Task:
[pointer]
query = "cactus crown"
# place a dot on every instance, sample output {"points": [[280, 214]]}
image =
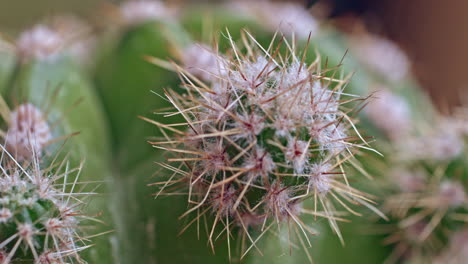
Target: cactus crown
{"points": [[40, 212], [40, 206], [266, 134]]}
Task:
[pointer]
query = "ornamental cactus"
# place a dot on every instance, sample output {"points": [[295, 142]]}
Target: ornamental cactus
{"points": [[425, 180], [425, 189], [40, 217], [258, 143], [46, 185], [264, 143]]}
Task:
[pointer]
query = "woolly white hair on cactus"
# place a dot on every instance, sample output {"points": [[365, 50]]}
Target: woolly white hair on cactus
{"points": [[287, 18], [381, 55], [390, 113], [61, 36], [40, 42], [28, 132], [457, 251], [452, 194], [40, 212], [255, 155], [427, 208], [5, 214], [201, 61], [77, 35], [439, 142], [139, 11]]}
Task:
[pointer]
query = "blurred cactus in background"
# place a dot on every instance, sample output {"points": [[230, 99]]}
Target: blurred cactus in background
{"points": [[261, 123]]}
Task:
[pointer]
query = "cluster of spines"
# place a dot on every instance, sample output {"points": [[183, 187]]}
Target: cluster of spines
{"points": [[266, 132], [427, 211], [427, 193], [39, 207]]}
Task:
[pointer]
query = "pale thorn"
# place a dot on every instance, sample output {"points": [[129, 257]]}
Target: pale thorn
{"points": [[457, 250], [26, 231], [278, 202], [216, 157], [413, 232], [295, 73], [329, 136], [48, 258], [443, 140], [53, 225], [251, 74], [79, 42], [249, 220], [283, 126], [4, 257]]}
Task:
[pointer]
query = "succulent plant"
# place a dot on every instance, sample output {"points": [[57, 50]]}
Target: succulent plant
{"points": [[253, 112], [265, 134], [41, 218], [43, 172]]}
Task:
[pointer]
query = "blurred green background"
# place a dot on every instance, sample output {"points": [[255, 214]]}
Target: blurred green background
{"points": [[431, 31]]}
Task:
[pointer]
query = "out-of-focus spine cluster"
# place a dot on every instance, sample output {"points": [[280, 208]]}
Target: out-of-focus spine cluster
{"points": [[427, 188], [425, 172]]}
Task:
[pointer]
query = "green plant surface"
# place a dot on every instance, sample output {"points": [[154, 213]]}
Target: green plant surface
{"points": [[59, 89], [130, 87], [7, 67]]}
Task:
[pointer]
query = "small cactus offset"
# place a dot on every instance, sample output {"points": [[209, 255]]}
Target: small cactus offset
{"points": [[46, 187], [425, 177], [41, 218]]}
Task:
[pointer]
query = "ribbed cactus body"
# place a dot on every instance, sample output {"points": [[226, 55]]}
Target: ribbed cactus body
{"points": [[129, 86], [53, 90]]}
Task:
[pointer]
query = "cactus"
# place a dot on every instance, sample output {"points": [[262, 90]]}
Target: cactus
{"points": [[425, 186], [424, 182], [268, 133], [40, 219], [257, 143], [44, 159]]}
